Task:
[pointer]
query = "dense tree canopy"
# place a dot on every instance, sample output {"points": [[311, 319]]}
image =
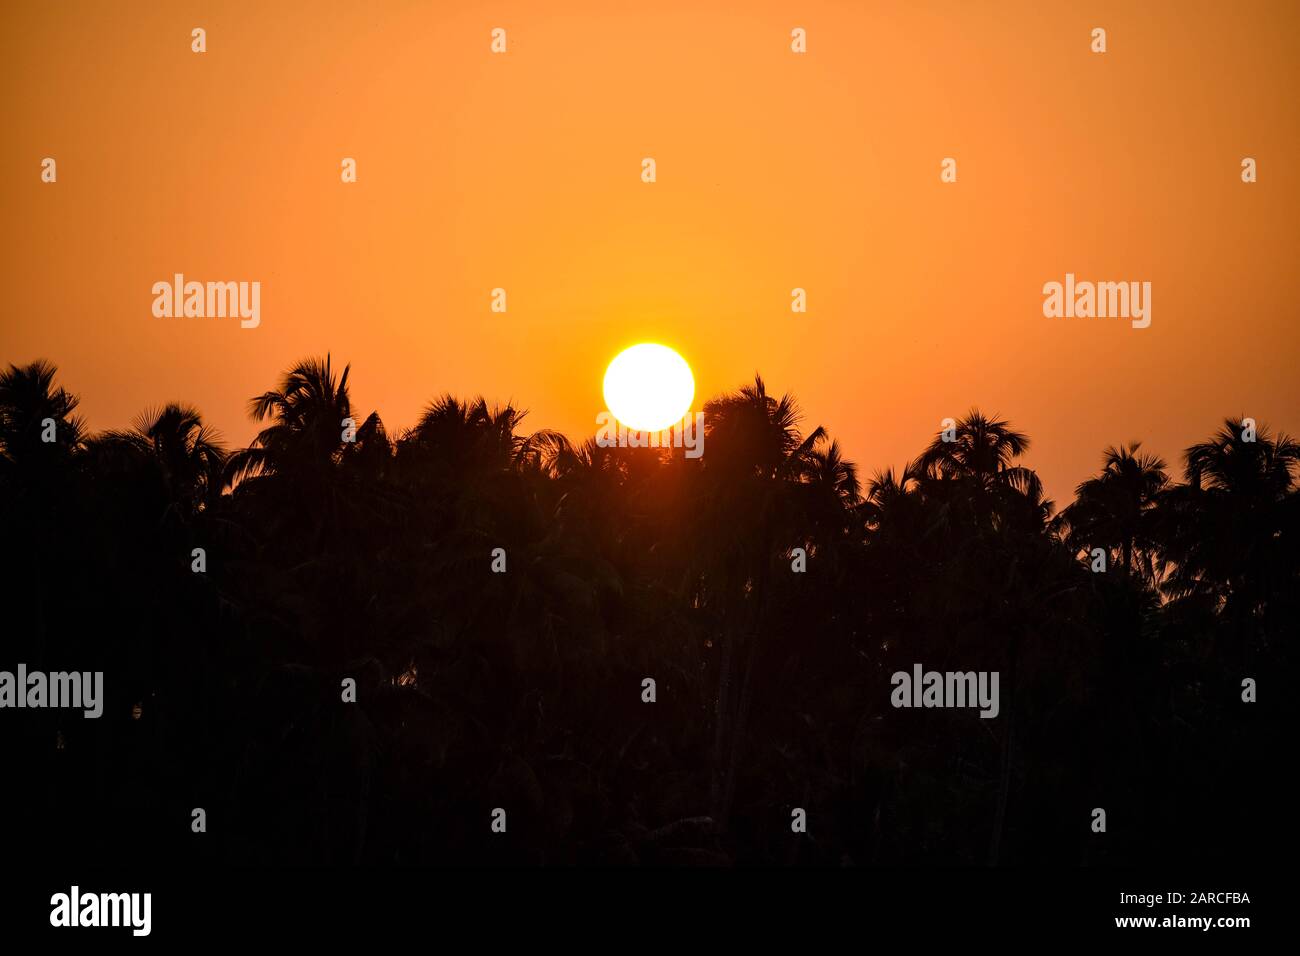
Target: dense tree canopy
{"points": [[336, 550]]}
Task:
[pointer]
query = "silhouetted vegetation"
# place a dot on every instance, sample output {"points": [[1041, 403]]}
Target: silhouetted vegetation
{"points": [[370, 559]]}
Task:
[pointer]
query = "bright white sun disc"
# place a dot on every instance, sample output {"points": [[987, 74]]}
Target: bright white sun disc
{"points": [[649, 387]]}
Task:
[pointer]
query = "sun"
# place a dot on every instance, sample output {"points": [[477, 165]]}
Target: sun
{"points": [[649, 387]]}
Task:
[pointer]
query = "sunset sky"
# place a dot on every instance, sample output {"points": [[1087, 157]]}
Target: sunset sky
{"points": [[774, 170]]}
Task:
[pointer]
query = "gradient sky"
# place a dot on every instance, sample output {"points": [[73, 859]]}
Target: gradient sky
{"points": [[775, 170]]}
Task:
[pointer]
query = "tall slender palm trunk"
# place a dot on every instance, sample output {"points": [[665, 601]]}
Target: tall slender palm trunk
{"points": [[1007, 757]]}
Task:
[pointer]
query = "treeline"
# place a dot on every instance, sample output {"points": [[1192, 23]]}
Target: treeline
{"points": [[322, 559]]}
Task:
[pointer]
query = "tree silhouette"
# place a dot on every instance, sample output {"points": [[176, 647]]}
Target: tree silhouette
{"points": [[1116, 509], [338, 551]]}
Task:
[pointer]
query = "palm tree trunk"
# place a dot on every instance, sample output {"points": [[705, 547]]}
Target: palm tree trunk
{"points": [[1004, 791], [720, 721], [738, 734], [39, 590], [751, 647], [1008, 756]]}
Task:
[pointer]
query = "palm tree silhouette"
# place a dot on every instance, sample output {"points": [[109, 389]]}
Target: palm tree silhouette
{"points": [[335, 552], [307, 412], [757, 459], [29, 404], [1229, 529], [187, 454], [1117, 509], [982, 458], [40, 438]]}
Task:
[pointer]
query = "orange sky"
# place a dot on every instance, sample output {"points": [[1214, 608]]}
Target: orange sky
{"points": [[775, 170]]}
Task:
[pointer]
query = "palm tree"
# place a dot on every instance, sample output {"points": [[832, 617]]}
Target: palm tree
{"points": [[975, 540], [314, 464], [1229, 528], [828, 494], [187, 454], [757, 458], [41, 439], [886, 490], [39, 431], [1261, 468], [896, 521], [759, 434], [1116, 509], [308, 412], [471, 435], [982, 458], [833, 477]]}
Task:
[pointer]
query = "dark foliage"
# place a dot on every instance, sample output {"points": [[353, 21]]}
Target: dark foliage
{"points": [[371, 559]]}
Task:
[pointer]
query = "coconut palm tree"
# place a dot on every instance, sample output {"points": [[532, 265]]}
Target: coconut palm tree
{"points": [[1116, 510], [309, 413], [455, 435], [832, 476], [1230, 529], [186, 453], [981, 458], [885, 491], [755, 462], [41, 439], [39, 430], [314, 463]]}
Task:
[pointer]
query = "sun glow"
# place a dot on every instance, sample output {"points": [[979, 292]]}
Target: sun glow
{"points": [[649, 387]]}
